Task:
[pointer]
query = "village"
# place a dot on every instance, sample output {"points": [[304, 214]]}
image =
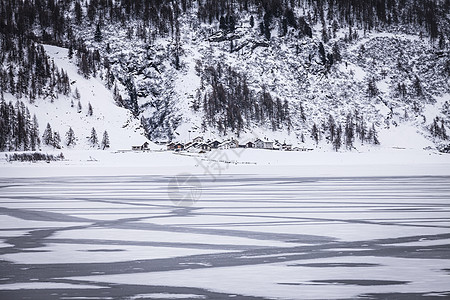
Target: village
{"points": [[199, 145]]}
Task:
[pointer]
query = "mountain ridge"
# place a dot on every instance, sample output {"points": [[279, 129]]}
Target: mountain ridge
{"points": [[297, 74]]}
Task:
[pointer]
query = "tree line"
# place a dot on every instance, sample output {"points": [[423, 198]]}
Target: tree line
{"points": [[18, 131], [345, 134], [29, 73], [229, 104]]}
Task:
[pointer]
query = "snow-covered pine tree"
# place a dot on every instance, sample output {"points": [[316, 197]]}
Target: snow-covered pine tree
{"points": [[77, 94], [34, 134], [105, 141], [93, 138], [98, 33], [315, 133], [56, 140], [47, 137], [337, 141], [90, 111], [70, 137]]}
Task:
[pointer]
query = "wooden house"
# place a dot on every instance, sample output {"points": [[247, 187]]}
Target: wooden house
{"points": [[214, 144], [258, 144], [179, 147], [268, 145], [171, 146], [198, 139], [230, 144], [144, 146], [205, 147]]}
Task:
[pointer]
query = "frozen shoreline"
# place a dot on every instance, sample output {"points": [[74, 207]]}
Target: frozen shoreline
{"points": [[378, 162]]}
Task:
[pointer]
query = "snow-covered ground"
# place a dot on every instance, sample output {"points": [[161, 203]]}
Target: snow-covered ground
{"points": [[232, 223], [398, 158]]}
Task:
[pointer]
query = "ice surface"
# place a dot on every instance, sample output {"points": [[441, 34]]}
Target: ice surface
{"points": [[261, 234], [45, 285], [76, 253]]}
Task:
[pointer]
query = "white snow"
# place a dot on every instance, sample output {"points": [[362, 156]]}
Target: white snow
{"points": [[54, 253], [401, 155], [123, 130], [163, 237]]}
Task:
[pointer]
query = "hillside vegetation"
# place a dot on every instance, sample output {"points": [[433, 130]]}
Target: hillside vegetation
{"points": [[331, 74]]}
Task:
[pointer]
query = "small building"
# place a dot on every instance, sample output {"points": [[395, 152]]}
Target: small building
{"points": [[190, 145], [258, 144], [230, 144], [286, 147], [250, 145], [198, 139], [170, 146], [178, 147], [268, 145], [214, 144], [193, 147], [205, 147], [144, 146]]}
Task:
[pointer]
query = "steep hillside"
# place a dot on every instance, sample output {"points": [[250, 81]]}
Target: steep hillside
{"points": [[63, 112], [335, 75]]}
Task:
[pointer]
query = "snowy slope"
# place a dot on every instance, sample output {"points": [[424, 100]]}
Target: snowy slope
{"points": [[123, 129], [391, 79], [290, 69]]}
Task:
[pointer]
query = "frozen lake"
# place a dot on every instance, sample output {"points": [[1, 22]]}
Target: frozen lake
{"points": [[231, 236]]}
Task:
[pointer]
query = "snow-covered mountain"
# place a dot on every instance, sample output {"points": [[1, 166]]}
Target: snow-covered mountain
{"points": [[62, 112], [318, 74]]}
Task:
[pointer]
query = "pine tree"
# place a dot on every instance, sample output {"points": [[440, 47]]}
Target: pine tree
{"points": [[79, 107], [70, 54], [375, 135], [418, 86], [70, 137], [90, 111], [349, 132], [47, 137], [372, 135], [315, 133], [56, 140], [98, 34], [78, 12], [332, 128], [372, 87], [117, 97], [77, 94], [34, 134], [93, 138], [105, 141], [443, 131], [336, 52], [337, 142]]}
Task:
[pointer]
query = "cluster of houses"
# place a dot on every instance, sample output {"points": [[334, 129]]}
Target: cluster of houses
{"points": [[198, 145]]}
